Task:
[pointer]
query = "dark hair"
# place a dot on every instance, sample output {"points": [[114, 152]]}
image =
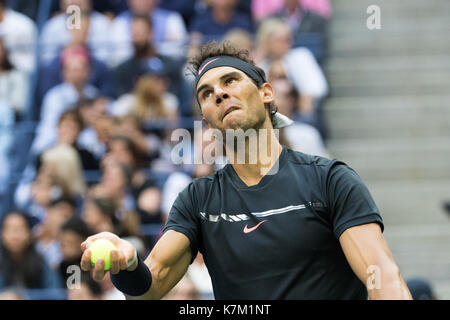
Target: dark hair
{"points": [[214, 49], [107, 207], [75, 114], [77, 225], [29, 272], [64, 199], [6, 63], [131, 147]]}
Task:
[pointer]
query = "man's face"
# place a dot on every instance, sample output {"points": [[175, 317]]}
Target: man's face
{"points": [[141, 33], [229, 99], [76, 71]]}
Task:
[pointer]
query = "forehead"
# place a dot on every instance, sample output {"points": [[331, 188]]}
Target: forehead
{"points": [[214, 74]]}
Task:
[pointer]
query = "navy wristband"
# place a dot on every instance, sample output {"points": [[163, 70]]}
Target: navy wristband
{"points": [[133, 283]]}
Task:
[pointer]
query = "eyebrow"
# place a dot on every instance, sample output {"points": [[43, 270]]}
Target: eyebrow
{"points": [[226, 75]]}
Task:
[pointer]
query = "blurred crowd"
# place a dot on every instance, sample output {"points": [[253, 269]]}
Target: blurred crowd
{"points": [[103, 84]]}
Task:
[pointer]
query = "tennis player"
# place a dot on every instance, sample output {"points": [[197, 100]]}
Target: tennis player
{"points": [[307, 228]]}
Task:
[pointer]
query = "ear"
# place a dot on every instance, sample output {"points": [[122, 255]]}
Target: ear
{"points": [[267, 92]]}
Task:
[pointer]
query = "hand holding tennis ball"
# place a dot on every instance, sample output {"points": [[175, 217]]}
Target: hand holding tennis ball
{"points": [[101, 249], [106, 251]]}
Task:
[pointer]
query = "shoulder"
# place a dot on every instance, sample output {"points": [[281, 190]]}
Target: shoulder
{"points": [[18, 17]]}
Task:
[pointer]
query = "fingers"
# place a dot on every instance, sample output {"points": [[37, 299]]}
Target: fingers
{"points": [[118, 261], [86, 261], [99, 270], [115, 263]]}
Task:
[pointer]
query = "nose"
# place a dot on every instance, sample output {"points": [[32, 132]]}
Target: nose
{"points": [[221, 95]]}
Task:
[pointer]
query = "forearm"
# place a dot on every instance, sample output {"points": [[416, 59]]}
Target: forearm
{"points": [[389, 286]]}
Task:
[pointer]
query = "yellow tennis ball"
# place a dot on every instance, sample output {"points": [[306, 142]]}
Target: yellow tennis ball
{"points": [[101, 249]]}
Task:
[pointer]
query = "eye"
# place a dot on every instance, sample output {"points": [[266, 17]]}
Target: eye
{"points": [[230, 80], [206, 94]]}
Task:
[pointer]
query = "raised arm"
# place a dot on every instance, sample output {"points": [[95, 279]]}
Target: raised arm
{"points": [[369, 256], [167, 262]]}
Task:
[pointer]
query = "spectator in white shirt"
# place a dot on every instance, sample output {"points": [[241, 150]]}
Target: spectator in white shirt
{"points": [[275, 40], [63, 97], [19, 33], [56, 33]]}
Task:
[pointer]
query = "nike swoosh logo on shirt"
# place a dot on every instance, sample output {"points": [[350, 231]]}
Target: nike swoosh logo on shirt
{"points": [[203, 68], [248, 230]]}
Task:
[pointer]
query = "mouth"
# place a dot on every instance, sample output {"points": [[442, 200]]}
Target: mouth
{"points": [[229, 110]]}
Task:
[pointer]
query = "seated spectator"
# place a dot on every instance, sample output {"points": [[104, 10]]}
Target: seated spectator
{"points": [[70, 126], [64, 162], [149, 102], [96, 125], [147, 143], [9, 80], [222, 17], [89, 289], [72, 233], [50, 75], [300, 136], [63, 97], [20, 263], [56, 35], [58, 213], [19, 33], [14, 84], [169, 30], [146, 58], [301, 20], [275, 41], [100, 215], [45, 189]]}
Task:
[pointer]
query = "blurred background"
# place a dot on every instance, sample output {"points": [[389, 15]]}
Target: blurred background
{"points": [[90, 92]]}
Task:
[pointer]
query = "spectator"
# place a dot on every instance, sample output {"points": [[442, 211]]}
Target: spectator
{"points": [[146, 143], [275, 40], [63, 97], [300, 19], [13, 83], [59, 211], [56, 34], [50, 75], [300, 136], [89, 289], [9, 97], [70, 125], [19, 33], [45, 189], [146, 59], [72, 233], [20, 264], [150, 101], [222, 17], [169, 30], [64, 162], [96, 125]]}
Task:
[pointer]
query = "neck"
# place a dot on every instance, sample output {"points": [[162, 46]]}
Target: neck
{"points": [[267, 149]]}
